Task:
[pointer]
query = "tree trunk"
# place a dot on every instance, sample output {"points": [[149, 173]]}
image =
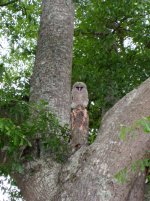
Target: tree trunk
{"points": [[51, 78], [51, 81]]}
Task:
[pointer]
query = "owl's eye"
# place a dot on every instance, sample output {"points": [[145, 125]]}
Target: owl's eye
{"points": [[79, 88]]}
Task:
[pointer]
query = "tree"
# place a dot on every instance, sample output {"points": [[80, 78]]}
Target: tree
{"points": [[55, 54], [89, 174]]}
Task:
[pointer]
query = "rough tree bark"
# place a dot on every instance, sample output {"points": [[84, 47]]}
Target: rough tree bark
{"points": [[88, 175], [51, 79]]}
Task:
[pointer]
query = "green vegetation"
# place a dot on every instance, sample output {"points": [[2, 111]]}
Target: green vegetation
{"points": [[19, 132]]}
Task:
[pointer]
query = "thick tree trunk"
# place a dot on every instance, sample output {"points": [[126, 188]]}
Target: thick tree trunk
{"points": [[51, 78], [51, 81]]}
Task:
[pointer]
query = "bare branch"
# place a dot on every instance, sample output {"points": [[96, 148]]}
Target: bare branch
{"points": [[90, 33]]}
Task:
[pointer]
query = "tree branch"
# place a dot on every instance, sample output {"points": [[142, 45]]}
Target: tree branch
{"points": [[10, 2], [92, 33]]}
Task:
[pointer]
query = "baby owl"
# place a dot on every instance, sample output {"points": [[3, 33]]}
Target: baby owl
{"points": [[79, 116], [79, 95]]}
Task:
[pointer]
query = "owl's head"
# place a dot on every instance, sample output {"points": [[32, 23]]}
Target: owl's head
{"points": [[79, 86]]}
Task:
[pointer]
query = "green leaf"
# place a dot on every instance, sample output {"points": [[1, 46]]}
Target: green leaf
{"points": [[146, 125], [18, 168]]}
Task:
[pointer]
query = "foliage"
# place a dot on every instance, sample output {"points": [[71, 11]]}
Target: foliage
{"points": [[92, 135], [19, 26], [19, 131]]}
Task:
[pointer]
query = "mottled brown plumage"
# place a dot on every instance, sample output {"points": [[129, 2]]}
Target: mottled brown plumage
{"points": [[79, 116]]}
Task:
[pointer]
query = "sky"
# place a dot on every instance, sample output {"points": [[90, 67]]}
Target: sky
{"points": [[6, 196]]}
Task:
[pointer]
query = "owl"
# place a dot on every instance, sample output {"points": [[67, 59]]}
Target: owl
{"points": [[79, 95], [79, 116]]}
